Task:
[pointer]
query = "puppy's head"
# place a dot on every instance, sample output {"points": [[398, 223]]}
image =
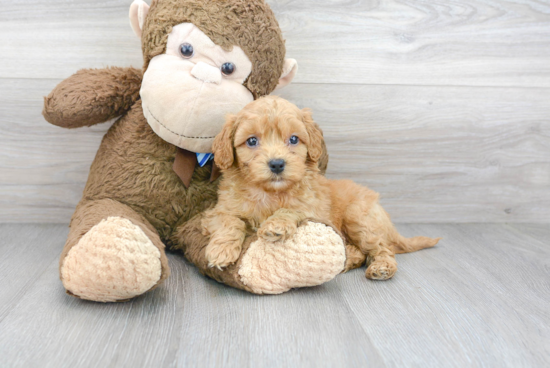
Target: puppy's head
{"points": [[271, 142]]}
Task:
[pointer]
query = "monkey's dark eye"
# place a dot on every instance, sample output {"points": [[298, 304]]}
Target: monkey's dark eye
{"points": [[186, 50], [252, 142], [228, 68], [293, 140]]}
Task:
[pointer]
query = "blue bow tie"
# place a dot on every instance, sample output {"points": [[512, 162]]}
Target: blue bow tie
{"points": [[203, 158]]}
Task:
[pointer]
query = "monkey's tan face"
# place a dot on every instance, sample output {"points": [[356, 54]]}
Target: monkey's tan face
{"points": [[187, 91]]}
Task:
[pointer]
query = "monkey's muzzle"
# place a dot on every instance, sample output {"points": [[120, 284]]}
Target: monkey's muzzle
{"points": [[186, 103]]}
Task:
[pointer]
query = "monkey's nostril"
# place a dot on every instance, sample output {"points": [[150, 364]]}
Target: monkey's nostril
{"points": [[277, 166]]}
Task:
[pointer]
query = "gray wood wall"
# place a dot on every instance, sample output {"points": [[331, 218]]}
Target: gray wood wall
{"points": [[443, 107]]}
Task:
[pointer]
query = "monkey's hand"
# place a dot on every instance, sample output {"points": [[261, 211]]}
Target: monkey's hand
{"points": [[92, 96]]}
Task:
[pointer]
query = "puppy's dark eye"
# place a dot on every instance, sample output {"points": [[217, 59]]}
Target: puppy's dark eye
{"points": [[228, 68], [252, 142], [293, 140], [186, 50]]}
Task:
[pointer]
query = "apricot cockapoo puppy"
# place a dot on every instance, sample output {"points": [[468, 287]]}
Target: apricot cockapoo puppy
{"points": [[268, 155]]}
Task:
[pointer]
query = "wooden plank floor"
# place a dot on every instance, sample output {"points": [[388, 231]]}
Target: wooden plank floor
{"points": [[481, 298]]}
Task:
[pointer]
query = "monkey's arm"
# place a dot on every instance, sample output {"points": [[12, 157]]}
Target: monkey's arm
{"points": [[92, 96]]}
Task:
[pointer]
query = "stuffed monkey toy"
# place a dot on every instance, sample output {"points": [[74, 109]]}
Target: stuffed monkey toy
{"points": [[153, 175]]}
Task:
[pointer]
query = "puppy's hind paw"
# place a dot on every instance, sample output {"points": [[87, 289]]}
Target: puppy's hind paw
{"points": [[276, 229], [381, 270]]}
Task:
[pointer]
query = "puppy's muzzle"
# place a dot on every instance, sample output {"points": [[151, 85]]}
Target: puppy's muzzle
{"points": [[277, 166]]}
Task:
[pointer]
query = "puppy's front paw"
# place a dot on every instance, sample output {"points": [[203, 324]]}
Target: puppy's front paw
{"points": [[221, 252], [275, 229]]}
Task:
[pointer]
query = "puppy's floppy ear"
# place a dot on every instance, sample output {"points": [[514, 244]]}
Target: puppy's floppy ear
{"points": [[222, 148], [315, 147]]}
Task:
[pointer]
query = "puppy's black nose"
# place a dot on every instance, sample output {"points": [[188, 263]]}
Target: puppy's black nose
{"points": [[277, 166]]}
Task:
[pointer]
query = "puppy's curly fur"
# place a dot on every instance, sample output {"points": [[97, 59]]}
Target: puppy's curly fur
{"points": [[268, 154]]}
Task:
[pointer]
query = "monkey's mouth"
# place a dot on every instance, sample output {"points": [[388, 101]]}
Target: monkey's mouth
{"points": [[175, 133]]}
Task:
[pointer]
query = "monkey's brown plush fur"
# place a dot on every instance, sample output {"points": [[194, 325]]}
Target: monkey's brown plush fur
{"points": [[268, 154], [134, 203]]}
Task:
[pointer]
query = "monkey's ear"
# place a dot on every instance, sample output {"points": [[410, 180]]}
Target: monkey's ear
{"points": [[315, 146], [290, 68], [138, 13], [222, 148]]}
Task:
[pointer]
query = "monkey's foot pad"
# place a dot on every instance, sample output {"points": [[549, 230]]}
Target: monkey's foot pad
{"points": [[314, 255], [113, 261]]}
